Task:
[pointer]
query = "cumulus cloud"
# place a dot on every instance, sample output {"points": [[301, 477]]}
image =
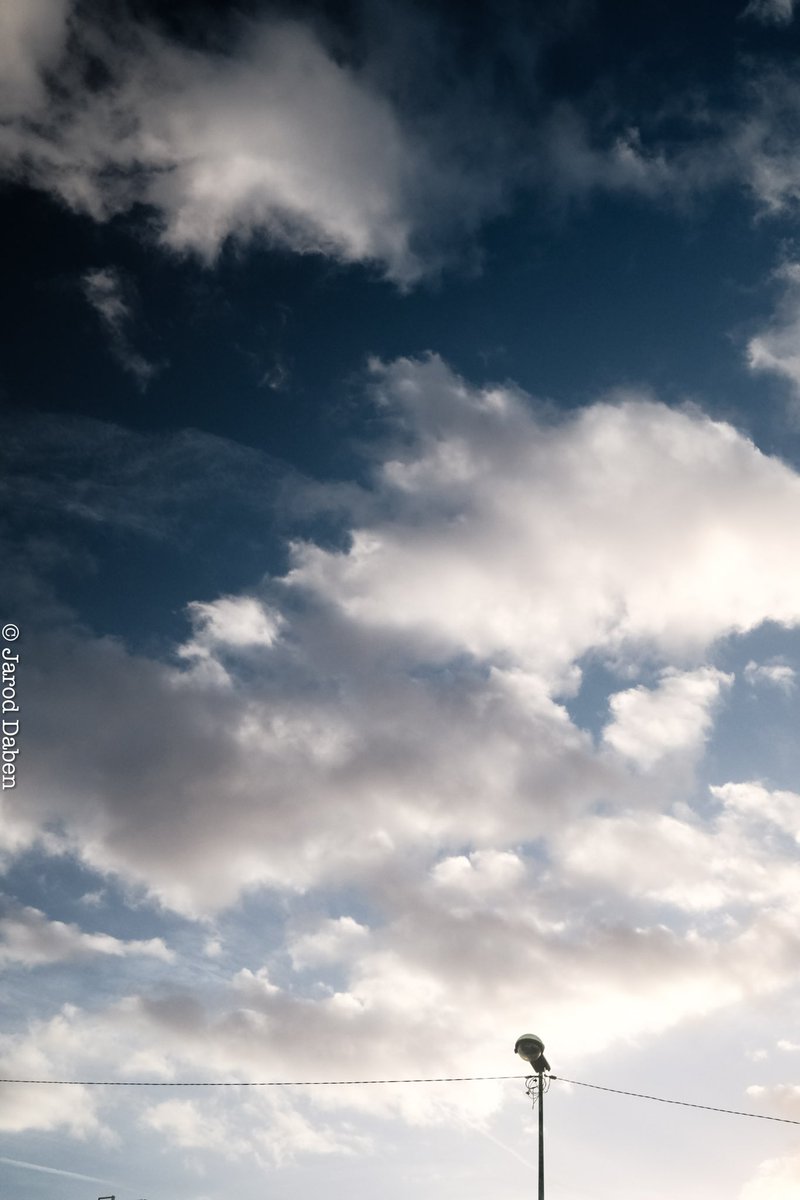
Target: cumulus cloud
{"points": [[418, 675], [48, 1051], [675, 717], [694, 864], [381, 736], [276, 137], [29, 938], [281, 133], [327, 732], [272, 1130], [334, 941], [622, 525], [287, 133], [446, 959], [777, 1179], [230, 621], [753, 800]]}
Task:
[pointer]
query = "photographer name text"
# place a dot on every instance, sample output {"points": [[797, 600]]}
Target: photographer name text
{"points": [[9, 661]]}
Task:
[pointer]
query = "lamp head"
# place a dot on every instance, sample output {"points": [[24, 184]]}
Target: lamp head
{"points": [[531, 1048]]}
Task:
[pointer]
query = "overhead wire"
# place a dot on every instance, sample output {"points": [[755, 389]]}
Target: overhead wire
{"points": [[256, 1082], [731, 1112], [244, 1083]]}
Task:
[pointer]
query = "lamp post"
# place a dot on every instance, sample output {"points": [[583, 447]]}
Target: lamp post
{"points": [[531, 1048]]}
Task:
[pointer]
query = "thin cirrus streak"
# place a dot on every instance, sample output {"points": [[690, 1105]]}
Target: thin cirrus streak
{"points": [[29, 1166]]}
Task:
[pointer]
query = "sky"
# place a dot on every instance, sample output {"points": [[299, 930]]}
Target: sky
{"points": [[400, 596]]}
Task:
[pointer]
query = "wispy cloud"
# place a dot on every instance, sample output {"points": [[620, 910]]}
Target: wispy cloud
{"points": [[771, 12], [29, 1166], [100, 473], [774, 673], [776, 349], [105, 290]]}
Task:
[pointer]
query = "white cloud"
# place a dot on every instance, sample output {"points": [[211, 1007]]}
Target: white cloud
{"points": [[783, 1098], [754, 801], [334, 941], [433, 991], [272, 1130], [276, 137], [29, 938], [276, 134], [326, 731], [482, 873], [47, 1052], [693, 864], [777, 1179], [622, 525], [229, 625], [774, 673], [231, 621], [387, 734], [416, 675], [673, 718]]}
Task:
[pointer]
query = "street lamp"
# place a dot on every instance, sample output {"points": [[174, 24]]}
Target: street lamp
{"points": [[531, 1048]]}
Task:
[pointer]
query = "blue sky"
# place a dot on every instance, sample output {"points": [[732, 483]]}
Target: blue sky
{"points": [[401, 453]]}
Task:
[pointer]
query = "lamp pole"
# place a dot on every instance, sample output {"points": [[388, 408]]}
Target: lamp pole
{"points": [[531, 1048], [541, 1134]]}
